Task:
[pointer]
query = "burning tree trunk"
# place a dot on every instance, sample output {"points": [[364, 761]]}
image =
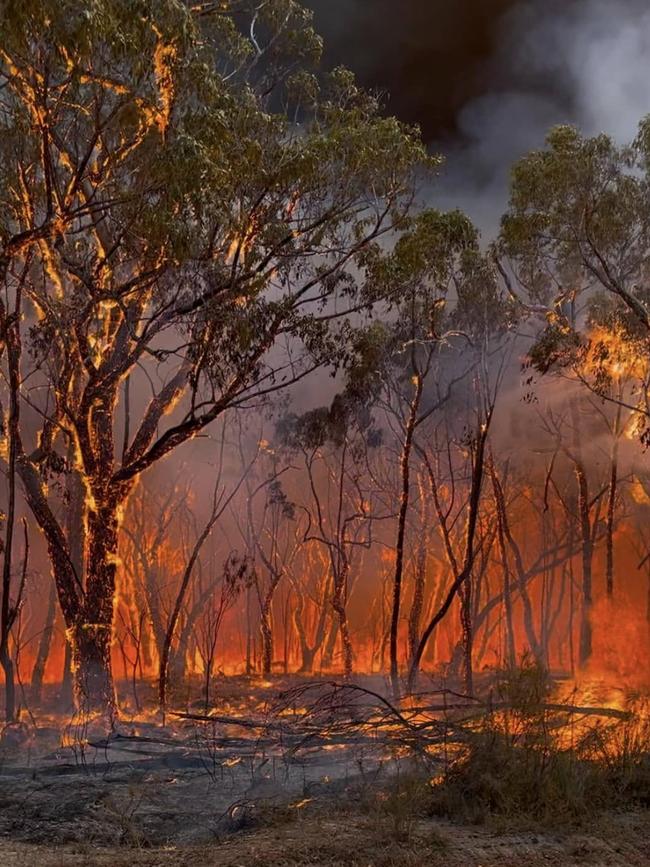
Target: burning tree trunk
{"points": [[465, 595], [10, 339], [266, 629], [118, 285], [330, 641], [309, 650], [586, 540], [91, 634]]}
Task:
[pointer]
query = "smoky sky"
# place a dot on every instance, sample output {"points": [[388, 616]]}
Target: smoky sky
{"points": [[427, 56], [486, 79]]}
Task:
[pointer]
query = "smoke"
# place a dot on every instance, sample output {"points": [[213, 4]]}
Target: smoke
{"points": [[584, 62]]}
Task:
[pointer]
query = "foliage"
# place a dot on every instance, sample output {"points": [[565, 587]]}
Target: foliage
{"points": [[536, 762]]}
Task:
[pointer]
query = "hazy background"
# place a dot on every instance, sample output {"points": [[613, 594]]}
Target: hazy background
{"points": [[485, 79]]}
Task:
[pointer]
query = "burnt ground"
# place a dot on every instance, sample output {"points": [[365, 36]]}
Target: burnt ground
{"points": [[268, 780]]}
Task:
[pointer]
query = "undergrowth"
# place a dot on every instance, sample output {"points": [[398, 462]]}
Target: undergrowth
{"points": [[532, 759]]}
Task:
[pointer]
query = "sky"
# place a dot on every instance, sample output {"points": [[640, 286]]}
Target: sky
{"points": [[486, 79]]}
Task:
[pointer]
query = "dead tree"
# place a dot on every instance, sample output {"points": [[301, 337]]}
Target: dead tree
{"points": [[236, 575], [221, 499]]}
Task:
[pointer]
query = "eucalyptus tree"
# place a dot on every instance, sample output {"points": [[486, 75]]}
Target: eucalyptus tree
{"points": [[482, 320], [575, 248], [185, 204], [427, 271]]}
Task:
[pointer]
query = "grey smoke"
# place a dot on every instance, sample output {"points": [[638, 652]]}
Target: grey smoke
{"points": [[584, 62]]}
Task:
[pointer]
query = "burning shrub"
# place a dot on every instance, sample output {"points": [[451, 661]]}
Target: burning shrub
{"points": [[532, 759]]}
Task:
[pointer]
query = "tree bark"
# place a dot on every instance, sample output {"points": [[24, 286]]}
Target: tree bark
{"points": [[91, 635], [465, 594], [586, 639], [401, 533], [266, 630], [417, 605], [44, 644], [468, 563], [511, 655], [611, 507]]}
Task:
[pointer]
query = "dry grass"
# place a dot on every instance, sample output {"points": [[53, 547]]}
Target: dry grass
{"points": [[357, 841], [536, 765]]}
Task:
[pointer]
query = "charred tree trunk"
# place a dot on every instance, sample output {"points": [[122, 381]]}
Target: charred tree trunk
{"points": [[511, 653], [339, 603], [248, 664], [611, 510], [529, 617], [330, 642], [585, 643], [401, 533], [309, 651], [266, 631], [266, 616], [474, 505], [417, 605], [346, 641], [44, 645], [10, 334], [465, 594], [66, 693]]}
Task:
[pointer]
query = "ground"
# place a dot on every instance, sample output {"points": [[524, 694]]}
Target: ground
{"points": [[285, 774], [356, 841]]}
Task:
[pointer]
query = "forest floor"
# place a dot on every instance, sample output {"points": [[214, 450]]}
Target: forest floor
{"points": [[283, 773], [355, 840]]}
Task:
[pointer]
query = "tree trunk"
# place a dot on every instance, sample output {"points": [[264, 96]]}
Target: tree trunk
{"points": [[308, 652], [266, 630], [611, 518], [10, 685], [585, 644], [10, 336], [415, 614], [91, 666], [474, 505], [91, 636], [178, 605], [529, 617], [346, 641], [66, 695], [330, 643], [339, 603], [465, 593], [44, 644], [511, 655], [401, 534]]}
